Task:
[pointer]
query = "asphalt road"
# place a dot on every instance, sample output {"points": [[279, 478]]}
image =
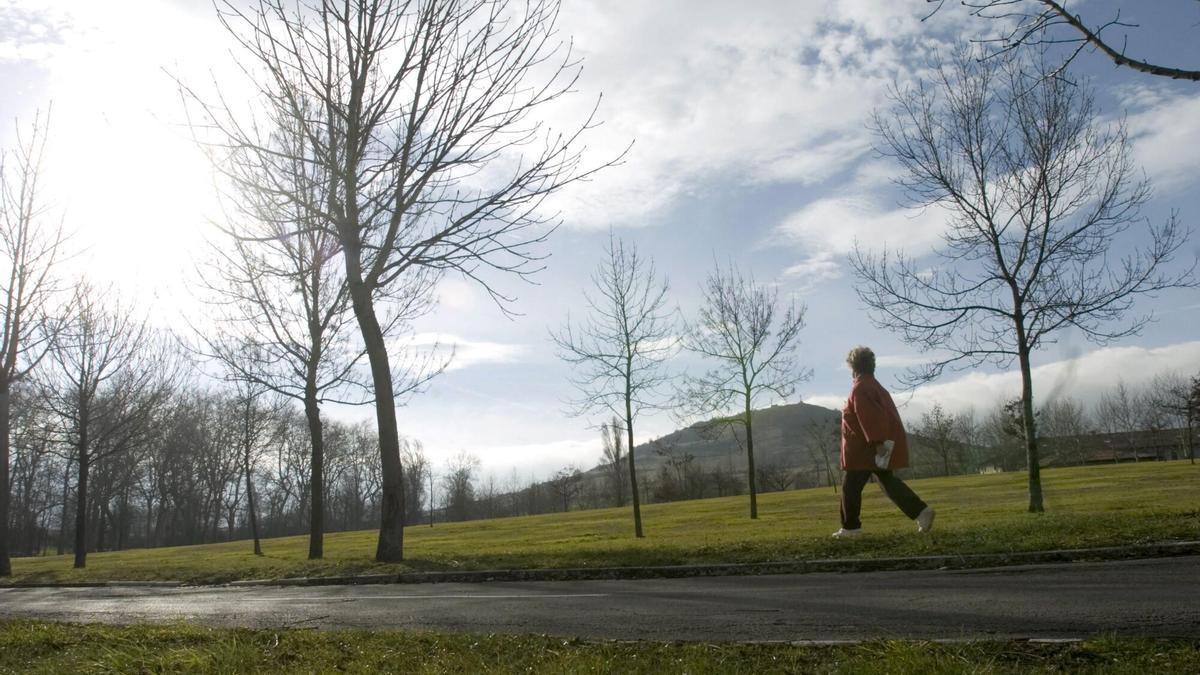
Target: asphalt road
{"points": [[1159, 597]]}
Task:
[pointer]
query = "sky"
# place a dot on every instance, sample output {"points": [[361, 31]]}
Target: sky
{"points": [[750, 145]]}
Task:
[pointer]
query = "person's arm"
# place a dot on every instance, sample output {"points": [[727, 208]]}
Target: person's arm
{"points": [[873, 419]]}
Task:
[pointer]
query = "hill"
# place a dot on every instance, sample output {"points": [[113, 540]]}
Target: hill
{"points": [[793, 435]]}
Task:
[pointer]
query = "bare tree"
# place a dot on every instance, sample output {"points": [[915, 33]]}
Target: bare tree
{"points": [[1169, 394], [1036, 191], [822, 438], [619, 349], [1038, 23], [1193, 417], [937, 428], [424, 123], [412, 452], [775, 478], [255, 421], [30, 249], [566, 484], [741, 328], [1116, 410], [459, 485], [278, 291], [614, 458], [1065, 423], [108, 374]]}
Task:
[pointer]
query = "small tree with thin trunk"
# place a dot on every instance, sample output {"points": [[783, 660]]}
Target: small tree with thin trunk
{"points": [[30, 249], [1038, 193], [618, 351], [752, 338], [425, 119], [255, 422]]}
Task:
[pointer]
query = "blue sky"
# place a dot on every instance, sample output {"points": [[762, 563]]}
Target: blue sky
{"points": [[750, 145]]}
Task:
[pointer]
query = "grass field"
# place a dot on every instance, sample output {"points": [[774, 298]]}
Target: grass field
{"points": [[1085, 507], [33, 647]]}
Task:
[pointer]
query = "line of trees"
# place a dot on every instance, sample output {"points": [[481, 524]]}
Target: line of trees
{"points": [[185, 465]]}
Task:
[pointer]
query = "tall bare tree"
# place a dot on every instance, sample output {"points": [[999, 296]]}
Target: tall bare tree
{"points": [[425, 123], [752, 337], [279, 305], [1039, 23], [31, 244], [618, 351], [1037, 190]]}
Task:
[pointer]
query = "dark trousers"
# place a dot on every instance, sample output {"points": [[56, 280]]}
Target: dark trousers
{"points": [[852, 487]]}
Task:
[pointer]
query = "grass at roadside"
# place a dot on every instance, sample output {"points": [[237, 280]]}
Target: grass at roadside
{"points": [[35, 647], [1085, 507]]}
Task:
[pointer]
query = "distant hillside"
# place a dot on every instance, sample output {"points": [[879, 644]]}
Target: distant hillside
{"points": [[783, 435]]}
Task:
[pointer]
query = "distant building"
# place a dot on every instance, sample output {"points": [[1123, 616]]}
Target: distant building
{"points": [[1130, 446]]}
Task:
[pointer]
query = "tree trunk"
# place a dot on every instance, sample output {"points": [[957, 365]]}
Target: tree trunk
{"points": [[250, 502], [5, 403], [391, 500], [62, 520], [81, 505], [633, 487], [316, 521], [1033, 462], [752, 479], [101, 521]]}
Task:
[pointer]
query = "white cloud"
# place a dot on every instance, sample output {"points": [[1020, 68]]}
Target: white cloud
{"points": [[777, 94], [469, 353], [814, 270], [1166, 133], [537, 460], [457, 294], [900, 361], [1084, 378], [833, 225]]}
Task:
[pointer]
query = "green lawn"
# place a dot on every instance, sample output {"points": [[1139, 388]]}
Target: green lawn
{"points": [[1085, 507], [34, 647]]}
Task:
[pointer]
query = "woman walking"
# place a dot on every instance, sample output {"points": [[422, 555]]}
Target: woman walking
{"points": [[874, 443]]}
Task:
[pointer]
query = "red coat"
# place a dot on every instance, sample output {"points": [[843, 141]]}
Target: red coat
{"points": [[870, 417]]}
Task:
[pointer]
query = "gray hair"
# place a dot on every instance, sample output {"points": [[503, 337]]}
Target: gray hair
{"points": [[861, 360]]}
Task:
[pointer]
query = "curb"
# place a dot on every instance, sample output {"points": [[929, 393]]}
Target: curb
{"points": [[844, 565], [839, 565], [97, 584]]}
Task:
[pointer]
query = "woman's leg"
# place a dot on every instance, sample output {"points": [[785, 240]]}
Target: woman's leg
{"points": [[901, 494], [852, 487]]}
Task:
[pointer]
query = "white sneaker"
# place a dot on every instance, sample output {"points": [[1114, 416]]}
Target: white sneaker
{"points": [[843, 533], [882, 461], [925, 519]]}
